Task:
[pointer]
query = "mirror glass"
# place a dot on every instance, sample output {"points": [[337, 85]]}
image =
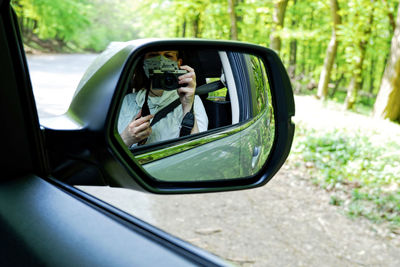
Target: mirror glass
{"points": [[198, 114]]}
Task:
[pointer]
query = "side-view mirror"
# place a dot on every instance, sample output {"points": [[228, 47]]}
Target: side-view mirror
{"points": [[176, 116]]}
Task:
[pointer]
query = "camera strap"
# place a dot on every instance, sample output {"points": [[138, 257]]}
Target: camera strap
{"points": [[187, 123], [160, 114], [145, 107], [188, 120], [145, 112], [164, 112]]}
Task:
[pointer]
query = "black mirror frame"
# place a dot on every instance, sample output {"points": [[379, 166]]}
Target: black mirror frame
{"points": [[94, 141], [283, 104]]}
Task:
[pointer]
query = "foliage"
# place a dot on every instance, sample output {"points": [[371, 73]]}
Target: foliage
{"points": [[110, 21], [367, 27], [53, 19], [78, 24], [361, 166]]}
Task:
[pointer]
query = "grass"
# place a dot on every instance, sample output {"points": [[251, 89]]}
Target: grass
{"points": [[362, 174]]}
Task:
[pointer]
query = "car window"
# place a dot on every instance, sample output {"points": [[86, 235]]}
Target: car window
{"points": [[218, 95]]}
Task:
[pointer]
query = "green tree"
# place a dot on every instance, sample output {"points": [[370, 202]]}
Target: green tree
{"points": [[278, 23], [359, 35], [59, 20], [76, 24], [387, 105], [233, 17], [330, 52]]}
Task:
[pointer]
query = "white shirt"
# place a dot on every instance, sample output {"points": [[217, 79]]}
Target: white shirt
{"points": [[169, 126]]}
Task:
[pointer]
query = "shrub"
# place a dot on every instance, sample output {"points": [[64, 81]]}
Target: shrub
{"points": [[367, 171]]}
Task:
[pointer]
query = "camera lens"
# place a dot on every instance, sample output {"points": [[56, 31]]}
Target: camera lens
{"points": [[169, 80]]}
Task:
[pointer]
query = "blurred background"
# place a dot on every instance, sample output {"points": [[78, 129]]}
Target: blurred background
{"points": [[337, 199]]}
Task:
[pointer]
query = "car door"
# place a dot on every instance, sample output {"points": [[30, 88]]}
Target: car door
{"points": [[46, 222]]}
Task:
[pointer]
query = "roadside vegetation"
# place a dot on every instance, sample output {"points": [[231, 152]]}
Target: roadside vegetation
{"points": [[74, 26], [356, 160], [361, 174]]}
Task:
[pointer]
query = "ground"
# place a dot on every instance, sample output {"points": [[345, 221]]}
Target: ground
{"points": [[288, 222]]}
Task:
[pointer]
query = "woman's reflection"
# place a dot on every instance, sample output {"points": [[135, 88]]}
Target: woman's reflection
{"points": [[159, 81]]}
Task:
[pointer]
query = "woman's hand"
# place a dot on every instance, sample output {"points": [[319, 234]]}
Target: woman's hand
{"points": [[137, 130], [186, 94]]}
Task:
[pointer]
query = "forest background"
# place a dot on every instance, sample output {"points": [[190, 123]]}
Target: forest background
{"points": [[346, 51]]}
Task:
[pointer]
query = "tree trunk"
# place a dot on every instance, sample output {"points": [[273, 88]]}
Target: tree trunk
{"points": [[393, 27], [355, 84], [330, 53], [387, 105], [239, 18], [233, 17], [307, 49], [293, 51], [196, 26], [356, 80], [184, 28], [371, 75], [292, 59], [278, 19], [337, 82], [390, 15]]}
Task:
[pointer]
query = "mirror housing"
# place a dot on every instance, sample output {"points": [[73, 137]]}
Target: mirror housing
{"points": [[84, 145]]}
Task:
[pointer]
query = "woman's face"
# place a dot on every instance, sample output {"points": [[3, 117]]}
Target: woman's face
{"points": [[170, 54]]}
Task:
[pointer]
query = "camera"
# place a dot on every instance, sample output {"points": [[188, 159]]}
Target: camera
{"points": [[165, 76]]}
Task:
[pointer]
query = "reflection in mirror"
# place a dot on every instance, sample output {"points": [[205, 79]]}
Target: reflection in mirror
{"points": [[197, 115]]}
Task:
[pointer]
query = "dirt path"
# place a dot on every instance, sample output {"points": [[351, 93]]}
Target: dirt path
{"points": [[325, 116], [288, 222]]}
